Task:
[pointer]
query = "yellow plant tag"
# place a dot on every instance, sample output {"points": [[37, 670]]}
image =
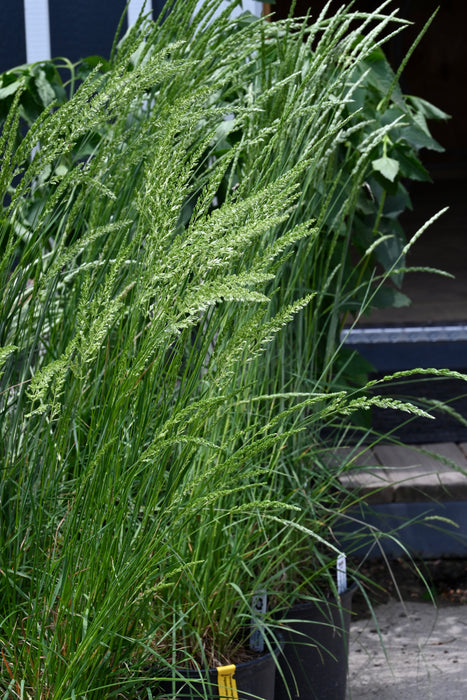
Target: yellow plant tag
{"points": [[226, 682]]}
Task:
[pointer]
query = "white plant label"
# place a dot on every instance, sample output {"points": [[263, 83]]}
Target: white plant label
{"points": [[258, 609], [341, 574]]}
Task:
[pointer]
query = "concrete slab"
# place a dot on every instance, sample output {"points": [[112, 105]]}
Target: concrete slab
{"points": [[410, 650]]}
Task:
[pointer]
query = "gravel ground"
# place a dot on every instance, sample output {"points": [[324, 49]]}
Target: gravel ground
{"points": [[413, 652]]}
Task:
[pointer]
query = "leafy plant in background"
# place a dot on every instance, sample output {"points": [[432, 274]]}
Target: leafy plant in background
{"points": [[395, 162], [360, 189], [163, 228], [374, 100]]}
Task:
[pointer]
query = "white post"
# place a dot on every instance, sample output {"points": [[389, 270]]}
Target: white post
{"points": [[36, 21], [135, 7], [254, 6]]}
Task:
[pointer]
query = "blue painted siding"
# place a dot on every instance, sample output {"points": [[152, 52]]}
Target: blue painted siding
{"points": [[12, 36], [78, 28], [84, 28]]}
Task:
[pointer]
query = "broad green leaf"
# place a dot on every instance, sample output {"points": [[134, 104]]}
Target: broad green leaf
{"points": [[410, 165], [391, 248], [428, 110], [10, 89], [397, 203], [45, 90], [388, 167], [416, 135], [388, 297], [94, 61]]}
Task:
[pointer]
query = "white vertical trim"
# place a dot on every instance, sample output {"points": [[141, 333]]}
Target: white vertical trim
{"points": [[135, 7], [37, 26], [253, 6]]}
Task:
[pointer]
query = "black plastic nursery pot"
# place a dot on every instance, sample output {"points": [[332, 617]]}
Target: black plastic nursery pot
{"points": [[254, 679], [314, 662]]}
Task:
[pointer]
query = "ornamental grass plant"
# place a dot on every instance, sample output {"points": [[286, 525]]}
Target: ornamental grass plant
{"points": [[174, 241]]}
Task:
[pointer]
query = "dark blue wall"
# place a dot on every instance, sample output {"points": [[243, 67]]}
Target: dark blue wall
{"points": [[12, 39], [78, 28], [84, 27]]}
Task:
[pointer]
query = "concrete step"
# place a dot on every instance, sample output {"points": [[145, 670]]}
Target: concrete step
{"points": [[390, 473]]}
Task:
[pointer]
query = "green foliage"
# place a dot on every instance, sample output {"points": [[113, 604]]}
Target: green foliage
{"points": [[395, 161], [39, 86]]}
